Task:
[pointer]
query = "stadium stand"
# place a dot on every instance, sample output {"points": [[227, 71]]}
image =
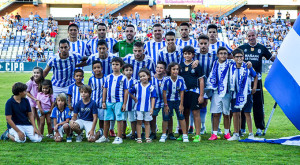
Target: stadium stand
{"points": [[27, 39]]}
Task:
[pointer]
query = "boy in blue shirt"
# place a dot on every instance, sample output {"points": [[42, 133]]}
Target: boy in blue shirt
{"points": [[73, 91], [86, 109], [240, 84], [20, 121], [115, 95], [96, 82], [194, 94], [173, 95]]}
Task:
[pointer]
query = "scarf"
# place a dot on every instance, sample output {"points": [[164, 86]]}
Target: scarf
{"points": [[242, 92], [216, 82]]}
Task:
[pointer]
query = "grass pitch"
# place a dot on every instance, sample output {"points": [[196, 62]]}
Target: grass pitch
{"points": [[171, 152]]}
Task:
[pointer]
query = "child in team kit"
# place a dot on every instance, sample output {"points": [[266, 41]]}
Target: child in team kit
{"points": [[33, 88], [218, 82], [130, 112], [85, 115], [61, 117], [173, 96], [96, 82], [115, 95], [157, 82], [240, 84], [45, 104], [145, 102], [20, 121], [73, 91], [194, 95]]}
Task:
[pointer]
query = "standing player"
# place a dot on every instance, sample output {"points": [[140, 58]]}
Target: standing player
{"points": [[76, 45], [185, 40], [126, 46], [93, 43], [214, 43], [102, 55], [153, 46], [254, 52], [171, 52], [63, 65], [139, 60]]}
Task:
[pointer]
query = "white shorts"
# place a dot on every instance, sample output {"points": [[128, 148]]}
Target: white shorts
{"points": [[100, 114], [85, 125], [220, 104], [28, 131], [59, 90], [141, 115], [130, 115], [61, 130]]}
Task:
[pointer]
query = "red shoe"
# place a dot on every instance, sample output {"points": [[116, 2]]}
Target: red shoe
{"points": [[112, 133], [213, 137], [227, 136]]}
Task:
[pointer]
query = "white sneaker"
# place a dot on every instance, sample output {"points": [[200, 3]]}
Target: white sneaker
{"points": [[129, 135], [235, 136], [251, 136], [185, 139], [118, 140], [79, 138], [102, 139], [203, 131], [163, 139]]}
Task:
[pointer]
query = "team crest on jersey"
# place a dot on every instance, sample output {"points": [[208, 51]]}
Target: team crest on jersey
{"points": [[245, 50], [159, 84], [122, 48], [259, 50]]}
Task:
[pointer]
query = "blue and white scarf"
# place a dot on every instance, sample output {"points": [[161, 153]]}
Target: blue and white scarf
{"points": [[215, 82], [241, 94]]}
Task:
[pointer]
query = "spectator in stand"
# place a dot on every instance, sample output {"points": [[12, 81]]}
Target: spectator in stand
{"points": [[18, 17], [86, 18], [120, 18], [31, 16], [51, 46], [53, 34], [92, 17]]}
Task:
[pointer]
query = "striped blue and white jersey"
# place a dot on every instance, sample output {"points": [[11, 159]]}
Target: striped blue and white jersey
{"points": [[143, 95], [130, 102], [60, 116], [173, 88], [106, 63], [92, 45], [147, 62], [191, 42], [213, 48], [63, 69], [158, 86], [79, 47], [205, 61], [167, 57], [97, 85], [151, 49], [73, 91], [116, 85]]}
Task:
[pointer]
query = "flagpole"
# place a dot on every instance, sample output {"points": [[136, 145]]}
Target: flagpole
{"points": [[274, 107]]}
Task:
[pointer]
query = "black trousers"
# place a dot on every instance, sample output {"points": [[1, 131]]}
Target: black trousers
{"points": [[258, 109]]}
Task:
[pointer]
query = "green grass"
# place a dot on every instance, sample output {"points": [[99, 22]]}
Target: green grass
{"points": [[172, 152]]}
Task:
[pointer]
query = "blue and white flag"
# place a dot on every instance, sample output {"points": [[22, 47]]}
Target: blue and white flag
{"points": [[292, 140], [283, 80]]}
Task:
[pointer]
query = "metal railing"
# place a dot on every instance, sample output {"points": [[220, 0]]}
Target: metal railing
{"points": [[111, 5], [231, 5]]}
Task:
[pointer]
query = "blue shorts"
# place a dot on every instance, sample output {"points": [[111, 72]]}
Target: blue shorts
{"points": [[173, 105], [247, 107], [113, 111], [156, 111]]}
